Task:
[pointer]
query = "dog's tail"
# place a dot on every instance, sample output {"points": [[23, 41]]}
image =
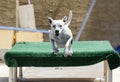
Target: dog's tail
{"points": [[69, 18]]}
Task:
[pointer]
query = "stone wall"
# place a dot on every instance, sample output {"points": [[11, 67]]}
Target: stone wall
{"points": [[103, 24]]}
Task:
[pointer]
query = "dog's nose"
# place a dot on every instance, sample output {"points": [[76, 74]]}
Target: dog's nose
{"points": [[56, 31]]}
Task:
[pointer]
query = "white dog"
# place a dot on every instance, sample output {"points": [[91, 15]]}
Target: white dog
{"points": [[60, 35]]}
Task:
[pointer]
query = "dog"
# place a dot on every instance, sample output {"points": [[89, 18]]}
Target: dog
{"points": [[60, 35]]}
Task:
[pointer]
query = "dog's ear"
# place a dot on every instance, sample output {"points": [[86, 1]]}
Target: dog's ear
{"points": [[50, 20], [64, 18]]}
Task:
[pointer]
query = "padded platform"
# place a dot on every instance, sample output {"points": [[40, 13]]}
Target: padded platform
{"points": [[40, 54]]}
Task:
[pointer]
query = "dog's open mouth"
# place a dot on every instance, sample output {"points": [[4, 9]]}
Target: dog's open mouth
{"points": [[57, 34]]}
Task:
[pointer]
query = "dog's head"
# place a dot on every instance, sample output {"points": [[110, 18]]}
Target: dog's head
{"points": [[58, 25]]}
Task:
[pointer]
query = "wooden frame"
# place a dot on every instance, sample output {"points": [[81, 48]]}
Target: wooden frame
{"points": [[13, 74]]}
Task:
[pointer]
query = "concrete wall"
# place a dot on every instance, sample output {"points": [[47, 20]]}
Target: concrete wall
{"points": [[103, 24], [7, 13]]}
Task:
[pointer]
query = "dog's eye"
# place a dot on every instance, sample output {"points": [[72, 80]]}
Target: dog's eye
{"points": [[54, 26], [60, 25]]}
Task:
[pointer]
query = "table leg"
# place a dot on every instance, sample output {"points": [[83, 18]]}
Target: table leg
{"points": [[12, 74], [109, 75], [107, 72], [20, 73]]}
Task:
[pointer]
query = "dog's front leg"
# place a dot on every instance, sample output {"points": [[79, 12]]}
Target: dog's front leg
{"points": [[55, 49], [68, 49]]}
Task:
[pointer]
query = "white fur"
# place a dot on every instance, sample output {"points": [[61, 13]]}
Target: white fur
{"points": [[61, 35]]}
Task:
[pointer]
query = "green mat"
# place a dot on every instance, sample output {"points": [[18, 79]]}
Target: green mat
{"points": [[40, 54]]}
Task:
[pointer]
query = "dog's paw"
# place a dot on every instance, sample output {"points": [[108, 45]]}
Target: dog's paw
{"points": [[65, 55], [56, 51], [68, 53]]}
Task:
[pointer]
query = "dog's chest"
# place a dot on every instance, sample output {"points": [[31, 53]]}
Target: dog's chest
{"points": [[61, 40]]}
